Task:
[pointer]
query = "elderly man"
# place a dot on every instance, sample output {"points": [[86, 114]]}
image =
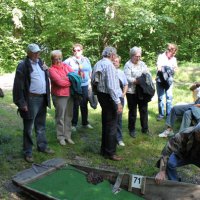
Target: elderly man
{"points": [[31, 94], [182, 149], [105, 78]]}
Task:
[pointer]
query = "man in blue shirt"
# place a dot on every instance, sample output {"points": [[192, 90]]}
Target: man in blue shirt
{"points": [[31, 94]]}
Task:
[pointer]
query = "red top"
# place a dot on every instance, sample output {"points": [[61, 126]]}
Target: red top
{"points": [[60, 84]]}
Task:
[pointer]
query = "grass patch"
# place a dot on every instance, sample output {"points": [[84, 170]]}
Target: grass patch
{"points": [[140, 154]]}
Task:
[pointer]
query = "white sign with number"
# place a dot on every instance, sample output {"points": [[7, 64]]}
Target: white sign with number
{"points": [[136, 181]]}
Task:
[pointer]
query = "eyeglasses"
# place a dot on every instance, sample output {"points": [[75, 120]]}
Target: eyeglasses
{"points": [[57, 59], [76, 50]]}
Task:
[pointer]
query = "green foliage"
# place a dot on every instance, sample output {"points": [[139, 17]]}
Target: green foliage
{"points": [[121, 23]]}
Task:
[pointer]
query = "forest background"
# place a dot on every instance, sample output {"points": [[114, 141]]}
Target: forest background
{"points": [[123, 24]]}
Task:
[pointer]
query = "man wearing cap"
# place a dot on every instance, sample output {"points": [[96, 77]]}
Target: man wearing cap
{"points": [[104, 77], [31, 94]]}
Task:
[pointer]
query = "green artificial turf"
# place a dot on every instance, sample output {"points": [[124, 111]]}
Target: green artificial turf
{"points": [[69, 183]]}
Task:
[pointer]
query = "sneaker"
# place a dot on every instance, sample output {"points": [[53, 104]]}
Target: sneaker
{"points": [[62, 142], [70, 141], [166, 133], [88, 126], [29, 159], [159, 118], [49, 151], [121, 143], [73, 129]]}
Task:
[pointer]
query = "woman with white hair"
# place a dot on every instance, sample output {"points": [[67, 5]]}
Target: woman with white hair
{"points": [[63, 102], [133, 69]]}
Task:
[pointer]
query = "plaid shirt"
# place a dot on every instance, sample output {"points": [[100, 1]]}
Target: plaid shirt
{"points": [[108, 81], [184, 145]]}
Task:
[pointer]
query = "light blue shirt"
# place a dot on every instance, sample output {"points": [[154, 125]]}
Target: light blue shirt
{"points": [[122, 78], [82, 64], [38, 82]]}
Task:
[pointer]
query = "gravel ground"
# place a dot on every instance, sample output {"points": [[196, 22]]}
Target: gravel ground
{"points": [[6, 81]]}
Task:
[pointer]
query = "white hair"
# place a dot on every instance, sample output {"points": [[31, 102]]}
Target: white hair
{"points": [[108, 51], [135, 50], [56, 52]]}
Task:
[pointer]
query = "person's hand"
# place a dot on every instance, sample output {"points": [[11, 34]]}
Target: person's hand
{"points": [[25, 108], [197, 105], [136, 82], [159, 68], [160, 176], [175, 68], [119, 108]]}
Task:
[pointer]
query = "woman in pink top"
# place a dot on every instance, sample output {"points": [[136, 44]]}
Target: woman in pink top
{"points": [[63, 103]]}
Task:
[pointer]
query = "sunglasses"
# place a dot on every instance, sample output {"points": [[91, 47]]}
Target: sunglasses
{"points": [[76, 50]]}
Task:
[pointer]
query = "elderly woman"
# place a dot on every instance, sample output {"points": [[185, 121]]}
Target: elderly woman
{"points": [[81, 65], [60, 90], [133, 69]]}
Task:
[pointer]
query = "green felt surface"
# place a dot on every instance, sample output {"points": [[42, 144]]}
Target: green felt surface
{"points": [[71, 184]]}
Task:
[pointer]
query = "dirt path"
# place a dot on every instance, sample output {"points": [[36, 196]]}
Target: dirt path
{"points": [[6, 81]]}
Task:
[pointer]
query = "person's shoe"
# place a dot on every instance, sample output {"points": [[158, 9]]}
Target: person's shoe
{"points": [[121, 143], [114, 157], [133, 134], [73, 129], [166, 133], [70, 141], [49, 151], [159, 118], [88, 126], [147, 132], [29, 159], [62, 142]]}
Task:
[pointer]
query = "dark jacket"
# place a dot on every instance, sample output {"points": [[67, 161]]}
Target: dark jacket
{"points": [[22, 84], [184, 145], [75, 88], [165, 77], [145, 88]]}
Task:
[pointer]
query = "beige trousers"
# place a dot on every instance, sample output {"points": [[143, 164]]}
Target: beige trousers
{"points": [[63, 116]]}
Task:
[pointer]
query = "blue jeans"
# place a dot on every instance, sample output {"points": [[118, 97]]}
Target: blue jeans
{"points": [[180, 111], [83, 106], [174, 162], [161, 92], [119, 123], [38, 109]]}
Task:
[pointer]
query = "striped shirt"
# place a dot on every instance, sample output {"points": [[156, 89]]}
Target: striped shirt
{"points": [[108, 80]]}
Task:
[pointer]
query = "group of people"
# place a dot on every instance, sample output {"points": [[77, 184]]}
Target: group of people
{"points": [[182, 148], [31, 94]]}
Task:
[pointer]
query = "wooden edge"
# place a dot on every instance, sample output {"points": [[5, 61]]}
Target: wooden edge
{"points": [[38, 170], [143, 186], [130, 183]]}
